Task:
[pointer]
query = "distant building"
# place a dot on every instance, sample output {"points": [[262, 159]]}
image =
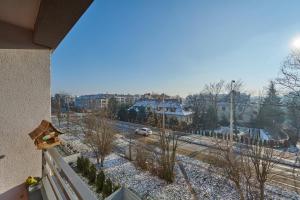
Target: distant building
{"points": [[64, 102], [96, 101], [246, 108], [172, 108], [100, 101]]}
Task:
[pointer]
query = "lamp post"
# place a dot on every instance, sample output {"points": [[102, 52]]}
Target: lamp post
{"points": [[231, 110], [163, 100]]}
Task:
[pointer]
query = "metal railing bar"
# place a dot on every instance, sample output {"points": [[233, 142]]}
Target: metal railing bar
{"points": [[58, 191], [74, 181], [58, 180]]}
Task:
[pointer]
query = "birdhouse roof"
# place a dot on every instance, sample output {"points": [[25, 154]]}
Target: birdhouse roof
{"points": [[44, 127]]}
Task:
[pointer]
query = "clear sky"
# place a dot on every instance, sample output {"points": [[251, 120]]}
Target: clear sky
{"points": [[174, 46]]}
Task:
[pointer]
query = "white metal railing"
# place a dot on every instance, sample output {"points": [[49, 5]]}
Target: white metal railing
{"points": [[60, 181]]}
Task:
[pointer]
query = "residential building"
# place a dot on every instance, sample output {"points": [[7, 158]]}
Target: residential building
{"points": [[172, 108], [63, 101], [96, 101], [100, 101], [246, 107]]}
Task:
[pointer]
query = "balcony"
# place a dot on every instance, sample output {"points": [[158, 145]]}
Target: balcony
{"points": [[61, 182]]}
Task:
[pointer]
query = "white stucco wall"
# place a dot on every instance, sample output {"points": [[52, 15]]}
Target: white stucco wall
{"points": [[24, 102]]}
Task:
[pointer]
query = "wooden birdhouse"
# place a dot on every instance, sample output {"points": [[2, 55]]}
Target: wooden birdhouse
{"points": [[45, 135]]}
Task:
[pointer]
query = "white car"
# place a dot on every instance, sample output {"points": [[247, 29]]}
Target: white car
{"points": [[143, 131]]}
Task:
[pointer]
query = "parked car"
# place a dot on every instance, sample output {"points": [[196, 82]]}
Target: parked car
{"points": [[143, 131]]}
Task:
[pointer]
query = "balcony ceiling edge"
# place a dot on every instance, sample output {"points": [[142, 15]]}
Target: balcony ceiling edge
{"points": [[55, 19]]}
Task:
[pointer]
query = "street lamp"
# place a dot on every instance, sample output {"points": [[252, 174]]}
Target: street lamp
{"points": [[231, 110]]}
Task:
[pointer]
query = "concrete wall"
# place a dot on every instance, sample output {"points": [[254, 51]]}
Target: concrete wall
{"points": [[24, 102]]}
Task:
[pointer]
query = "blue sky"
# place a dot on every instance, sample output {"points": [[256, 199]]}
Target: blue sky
{"points": [[174, 46]]}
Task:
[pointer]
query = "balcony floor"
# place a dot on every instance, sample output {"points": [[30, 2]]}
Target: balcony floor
{"points": [[20, 193], [17, 193]]}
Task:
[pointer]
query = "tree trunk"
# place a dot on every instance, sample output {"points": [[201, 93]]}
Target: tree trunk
{"points": [[102, 161], [262, 191], [130, 148], [239, 190]]}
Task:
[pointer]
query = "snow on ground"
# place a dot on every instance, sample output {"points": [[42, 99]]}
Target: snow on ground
{"points": [[264, 135], [206, 185], [278, 193], [143, 183], [177, 190], [75, 142]]}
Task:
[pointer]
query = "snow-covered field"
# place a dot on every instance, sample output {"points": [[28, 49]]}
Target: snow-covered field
{"points": [[147, 186], [206, 185]]}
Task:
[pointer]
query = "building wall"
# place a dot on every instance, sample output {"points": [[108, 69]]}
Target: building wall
{"points": [[24, 102]]}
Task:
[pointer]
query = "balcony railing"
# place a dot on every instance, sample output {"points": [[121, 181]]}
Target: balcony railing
{"points": [[60, 181]]}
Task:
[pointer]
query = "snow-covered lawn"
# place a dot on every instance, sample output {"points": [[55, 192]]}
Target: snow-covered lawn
{"points": [[123, 172], [211, 186], [206, 185]]}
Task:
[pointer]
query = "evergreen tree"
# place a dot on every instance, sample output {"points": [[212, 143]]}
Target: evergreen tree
{"points": [[107, 188], [123, 113], [92, 174], [173, 123], [79, 163], [151, 119], [141, 115], [132, 114], [224, 121], [100, 181], [183, 126], [86, 167], [270, 114]]}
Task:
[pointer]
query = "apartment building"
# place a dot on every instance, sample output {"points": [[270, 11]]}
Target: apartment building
{"points": [[99, 101]]}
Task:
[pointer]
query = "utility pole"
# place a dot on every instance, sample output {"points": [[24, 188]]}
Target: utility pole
{"points": [[231, 110], [163, 112], [68, 114]]}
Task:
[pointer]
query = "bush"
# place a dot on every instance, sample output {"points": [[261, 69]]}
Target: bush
{"points": [[92, 174], [79, 163], [107, 188], [100, 181], [115, 187], [86, 167], [141, 158]]}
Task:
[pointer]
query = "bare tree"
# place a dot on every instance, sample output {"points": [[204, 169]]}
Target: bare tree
{"points": [[289, 79], [198, 103], [289, 76], [99, 135], [213, 91], [248, 174], [262, 159], [235, 167], [168, 144], [141, 157]]}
